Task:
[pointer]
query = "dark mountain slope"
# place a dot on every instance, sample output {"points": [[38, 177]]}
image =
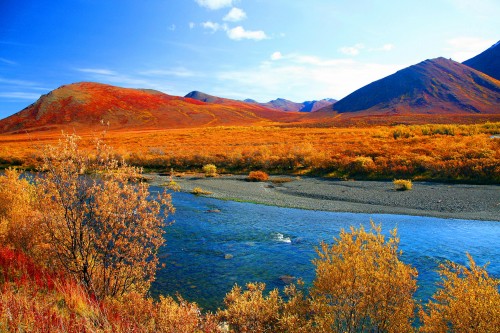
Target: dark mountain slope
{"points": [[432, 86], [487, 62]]}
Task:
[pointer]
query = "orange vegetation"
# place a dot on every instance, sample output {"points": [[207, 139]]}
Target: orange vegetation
{"points": [[441, 152]]}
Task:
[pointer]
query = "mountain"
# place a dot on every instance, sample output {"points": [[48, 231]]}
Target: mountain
{"points": [[286, 105], [433, 86], [487, 62], [277, 104], [86, 105]]}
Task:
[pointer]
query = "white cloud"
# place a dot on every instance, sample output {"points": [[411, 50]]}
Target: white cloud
{"points": [[192, 25], [214, 26], [351, 50], [276, 56], [235, 15], [240, 33], [463, 48], [215, 4]]}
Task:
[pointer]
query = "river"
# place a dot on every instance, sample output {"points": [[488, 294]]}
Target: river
{"points": [[214, 244]]}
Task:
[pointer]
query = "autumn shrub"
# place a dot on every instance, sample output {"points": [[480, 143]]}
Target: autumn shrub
{"points": [[402, 184], [402, 132], [200, 191], [257, 176], [19, 218], [210, 170], [361, 284], [250, 311], [103, 228], [467, 301]]}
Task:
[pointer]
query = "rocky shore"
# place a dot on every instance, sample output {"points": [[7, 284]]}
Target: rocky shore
{"points": [[460, 201]]}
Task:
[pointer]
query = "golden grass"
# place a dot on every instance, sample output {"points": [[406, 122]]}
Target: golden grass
{"points": [[442, 152]]}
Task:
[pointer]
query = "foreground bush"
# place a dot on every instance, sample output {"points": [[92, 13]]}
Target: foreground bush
{"points": [[468, 301], [257, 176], [105, 230], [362, 285]]}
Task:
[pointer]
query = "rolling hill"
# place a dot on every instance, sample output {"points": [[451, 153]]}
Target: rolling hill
{"points": [[436, 86], [487, 62], [85, 105]]}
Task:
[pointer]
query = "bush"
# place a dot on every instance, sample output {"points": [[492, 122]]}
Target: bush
{"points": [[257, 176], [402, 184], [104, 230], [468, 301], [210, 170], [200, 191], [361, 284]]}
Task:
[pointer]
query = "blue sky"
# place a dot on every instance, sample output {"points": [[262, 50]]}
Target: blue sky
{"points": [[260, 49]]}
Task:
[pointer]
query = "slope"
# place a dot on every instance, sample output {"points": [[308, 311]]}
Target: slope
{"points": [[436, 86], [487, 62], [85, 105]]}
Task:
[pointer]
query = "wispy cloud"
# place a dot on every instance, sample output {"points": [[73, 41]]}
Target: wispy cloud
{"points": [[171, 27], [192, 25], [235, 15], [99, 71], [215, 4], [304, 76], [352, 50], [178, 72], [240, 33], [463, 48], [20, 95], [8, 62]]}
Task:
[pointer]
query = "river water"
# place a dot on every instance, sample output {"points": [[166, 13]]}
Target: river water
{"points": [[214, 244]]}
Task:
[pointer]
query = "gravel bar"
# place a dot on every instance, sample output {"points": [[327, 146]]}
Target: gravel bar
{"points": [[459, 201]]}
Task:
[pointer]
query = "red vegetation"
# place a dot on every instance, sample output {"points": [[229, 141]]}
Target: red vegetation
{"points": [[85, 105]]}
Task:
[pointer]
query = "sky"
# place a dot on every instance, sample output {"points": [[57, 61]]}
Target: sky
{"points": [[260, 49]]}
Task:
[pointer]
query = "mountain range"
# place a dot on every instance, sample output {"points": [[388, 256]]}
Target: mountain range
{"points": [[432, 88], [277, 104]]}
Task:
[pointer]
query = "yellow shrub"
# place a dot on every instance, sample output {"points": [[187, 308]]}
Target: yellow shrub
{"points": [[210, 170], [402, 184]]}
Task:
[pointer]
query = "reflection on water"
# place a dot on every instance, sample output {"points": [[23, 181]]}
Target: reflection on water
{"points": [[214, 244]]}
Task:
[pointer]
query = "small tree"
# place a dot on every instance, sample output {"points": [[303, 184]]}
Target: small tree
{"points": [[101, 224], [468, 301], [362, 286]]}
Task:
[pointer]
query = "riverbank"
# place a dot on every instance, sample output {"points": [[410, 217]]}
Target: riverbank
{"points": [[460, 201]]}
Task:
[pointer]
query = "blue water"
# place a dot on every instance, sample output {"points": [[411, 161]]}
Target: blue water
{"points": [[266, 242]]}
